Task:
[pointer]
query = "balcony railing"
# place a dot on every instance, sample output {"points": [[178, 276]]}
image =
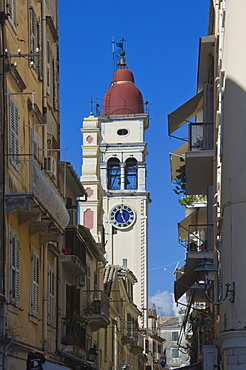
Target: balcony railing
{"points": [[137, 344], [199, 238], [74, 245], [201, 137], [74, 253], [96, 308], [33, 186]]}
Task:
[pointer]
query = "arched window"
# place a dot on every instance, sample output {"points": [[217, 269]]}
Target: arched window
{"points": [[131, 174], [113, 174]]}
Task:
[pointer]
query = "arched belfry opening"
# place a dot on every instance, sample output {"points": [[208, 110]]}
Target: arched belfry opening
{"points": [[113, 169], [131, 174]]}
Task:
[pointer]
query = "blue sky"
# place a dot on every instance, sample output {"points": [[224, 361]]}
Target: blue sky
{"points": [[162, 41]]}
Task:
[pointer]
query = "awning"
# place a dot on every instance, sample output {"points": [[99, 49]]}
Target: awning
{"points": [[196, 366], [199, 216], [175, 161], [188, 110], [52, 366], [186, 281]]}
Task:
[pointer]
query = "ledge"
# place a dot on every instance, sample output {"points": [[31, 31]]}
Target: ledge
{"points": [[232, 339]]}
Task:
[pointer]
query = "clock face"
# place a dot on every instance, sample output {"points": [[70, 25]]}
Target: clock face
{"points": [[122, 216]]}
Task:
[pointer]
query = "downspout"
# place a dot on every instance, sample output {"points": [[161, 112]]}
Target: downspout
{"points": [[58, 310], [45, 297], [115, 346], [3, 332], [44, 65], [5, 353]]}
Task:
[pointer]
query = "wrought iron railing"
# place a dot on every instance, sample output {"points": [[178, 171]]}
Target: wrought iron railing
{"points": [[201, 137], [199, 238], [74, 245], [95, 303]]}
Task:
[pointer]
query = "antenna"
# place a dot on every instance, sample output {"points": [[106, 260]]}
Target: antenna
{"points": [[91, 102]]}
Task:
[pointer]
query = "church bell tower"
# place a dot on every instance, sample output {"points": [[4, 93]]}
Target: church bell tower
{"points": [[123, 179]]}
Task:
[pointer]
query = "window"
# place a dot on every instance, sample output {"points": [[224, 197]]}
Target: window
{"points": [[35, 284], [14, 134], [175, 353], [14, 268], [11, 10], [113, 174], [131, 174], [175, 336], [122, 132], [51, 296]]}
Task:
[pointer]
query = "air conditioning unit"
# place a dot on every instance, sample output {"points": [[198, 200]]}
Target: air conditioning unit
{"points": [[73, 217], [50, 165]]}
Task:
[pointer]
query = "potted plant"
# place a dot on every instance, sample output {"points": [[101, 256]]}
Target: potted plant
{"points": [[72, 323]]}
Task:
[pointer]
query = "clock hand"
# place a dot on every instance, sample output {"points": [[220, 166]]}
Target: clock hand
{"points": [[122, 215]]}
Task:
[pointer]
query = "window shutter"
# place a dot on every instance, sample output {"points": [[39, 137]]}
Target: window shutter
{"points": [[11, 5], [14, 268], [14, 134], [32, 27], [48, 66], [40, 47], [51, 296], [35, 284]]}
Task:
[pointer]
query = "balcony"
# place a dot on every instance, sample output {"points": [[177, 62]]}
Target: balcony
{"points": [[137, 344], [74, 252], [96, 309], [134, 339], [198, 240], [38, 201], [75, 334], [199, 158]]}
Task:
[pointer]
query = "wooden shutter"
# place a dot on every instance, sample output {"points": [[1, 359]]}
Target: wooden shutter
{"points": [[14, 134], [35, 284], [33, 29], [48, 65], [51, 296], [14, 268], [11, 6], [40, 47]]}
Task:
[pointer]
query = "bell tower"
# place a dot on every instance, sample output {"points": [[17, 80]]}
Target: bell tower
{"points": [[123, 178]]}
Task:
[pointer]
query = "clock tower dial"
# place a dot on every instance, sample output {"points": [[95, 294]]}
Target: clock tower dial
{"points": [[122, 216]]}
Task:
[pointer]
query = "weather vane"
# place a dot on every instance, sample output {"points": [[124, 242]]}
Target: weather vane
{"points": [[119, 54]]}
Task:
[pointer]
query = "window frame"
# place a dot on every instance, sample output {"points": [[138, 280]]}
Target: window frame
{"points": [[175, 336], [175, 351]]}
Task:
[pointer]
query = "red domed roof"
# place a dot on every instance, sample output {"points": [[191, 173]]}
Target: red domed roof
{"points": [[123, 97]]}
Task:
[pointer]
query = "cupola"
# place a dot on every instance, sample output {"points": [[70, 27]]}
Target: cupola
{"points": [[123, 97]]}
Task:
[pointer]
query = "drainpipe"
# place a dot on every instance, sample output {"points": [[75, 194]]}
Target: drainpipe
{"points": [[3, 331], [115, 345], [3, 314], [5, 353], [44, 64], [45, 297]]}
